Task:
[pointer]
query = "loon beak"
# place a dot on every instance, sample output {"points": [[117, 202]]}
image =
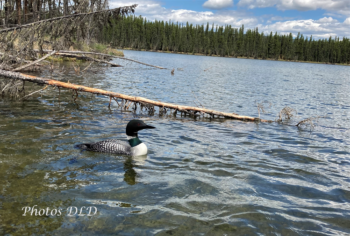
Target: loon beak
{"points": [[148, 127]]}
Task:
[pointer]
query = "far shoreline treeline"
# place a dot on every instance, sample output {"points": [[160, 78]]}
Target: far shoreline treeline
{"points": [[137, 33]]}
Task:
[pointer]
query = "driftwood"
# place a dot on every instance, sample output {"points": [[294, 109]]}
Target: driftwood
{"points": [[140, 100], [287, 113], [309, 122], [102, 54], [86, 58]]}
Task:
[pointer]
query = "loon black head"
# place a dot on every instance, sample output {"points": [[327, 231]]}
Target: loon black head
{"points": [[136, 125]]}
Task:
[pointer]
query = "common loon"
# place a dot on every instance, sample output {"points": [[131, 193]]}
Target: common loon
{"points": [[134, 146]]}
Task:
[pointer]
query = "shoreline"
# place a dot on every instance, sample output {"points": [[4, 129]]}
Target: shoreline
{"points": [[251, 58]]}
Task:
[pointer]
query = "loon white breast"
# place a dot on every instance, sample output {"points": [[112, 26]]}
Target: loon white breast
{"points": [[133, 147]]}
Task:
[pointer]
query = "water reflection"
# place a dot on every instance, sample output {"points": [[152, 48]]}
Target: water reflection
{"points": [[129, 164], [115, 162]]}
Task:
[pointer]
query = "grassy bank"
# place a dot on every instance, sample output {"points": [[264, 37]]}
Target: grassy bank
{"points": [[96, 47], [81, 46]]}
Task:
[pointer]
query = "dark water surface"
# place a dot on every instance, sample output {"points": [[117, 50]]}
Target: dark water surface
{"points": [[201, 177]]}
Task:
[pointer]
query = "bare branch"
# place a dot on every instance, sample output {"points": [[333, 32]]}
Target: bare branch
{"points": [[34, 62]]}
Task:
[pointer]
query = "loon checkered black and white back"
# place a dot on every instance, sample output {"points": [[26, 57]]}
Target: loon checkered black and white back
{"points": [[133, 147]]}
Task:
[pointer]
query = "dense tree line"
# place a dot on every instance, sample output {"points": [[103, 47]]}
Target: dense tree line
{"points": [[138, 33]]}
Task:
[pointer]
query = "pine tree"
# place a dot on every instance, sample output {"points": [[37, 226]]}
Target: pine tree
{"points": [[271, 46], [277, 46]]}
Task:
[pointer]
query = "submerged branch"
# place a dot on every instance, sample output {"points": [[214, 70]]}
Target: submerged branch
{"points": [[35, 92]]}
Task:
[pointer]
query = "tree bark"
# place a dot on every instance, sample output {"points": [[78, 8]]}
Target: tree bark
{"points": [[6, 8], [19, 8], [50, 9], [65, 7], [35, 10], [39, 4]]}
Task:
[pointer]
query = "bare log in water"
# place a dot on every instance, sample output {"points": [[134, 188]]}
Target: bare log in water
{"points": [[106, 55], [85, 58], [142, 101]]}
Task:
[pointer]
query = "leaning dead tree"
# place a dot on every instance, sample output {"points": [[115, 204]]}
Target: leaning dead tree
{"points": [[17, 12]]}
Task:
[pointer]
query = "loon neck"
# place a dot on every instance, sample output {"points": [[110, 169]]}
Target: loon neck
{"points": [[134, 141]]}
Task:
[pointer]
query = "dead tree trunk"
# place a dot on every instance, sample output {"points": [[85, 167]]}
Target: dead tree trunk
{"points": [[6, 8], [65, 7], [35, 10], [19, 9]]}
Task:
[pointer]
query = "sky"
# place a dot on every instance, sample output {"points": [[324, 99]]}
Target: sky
{"points": [[319, 18]]}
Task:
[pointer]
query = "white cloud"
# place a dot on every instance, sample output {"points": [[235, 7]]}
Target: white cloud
{"points": [[326, 20], [257, 3], [153, 10], [322, 28], [144, 7], [347, 21], [218, 4], [340, 6], [319, 28]]}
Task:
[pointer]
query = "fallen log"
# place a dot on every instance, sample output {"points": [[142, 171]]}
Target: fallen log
{"points": [[86, 58], [105, 55], [142, 101]]}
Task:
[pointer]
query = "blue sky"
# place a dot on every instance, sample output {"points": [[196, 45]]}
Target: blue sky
{"points": [[320, 18]]}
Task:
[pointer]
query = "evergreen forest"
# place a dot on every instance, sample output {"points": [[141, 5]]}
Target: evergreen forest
{"points": [[140, 34]]}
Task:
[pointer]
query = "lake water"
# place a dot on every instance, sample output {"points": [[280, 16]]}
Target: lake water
{"points": [[201, 176]]}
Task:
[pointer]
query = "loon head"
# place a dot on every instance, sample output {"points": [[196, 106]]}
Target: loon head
{"points": [[136, 125]]}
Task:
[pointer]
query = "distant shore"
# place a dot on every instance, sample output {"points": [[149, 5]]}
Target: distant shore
{"points": [[267, 59]]}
